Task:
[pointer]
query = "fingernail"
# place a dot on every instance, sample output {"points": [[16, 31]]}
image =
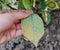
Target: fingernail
{"points": [[29, 12]]}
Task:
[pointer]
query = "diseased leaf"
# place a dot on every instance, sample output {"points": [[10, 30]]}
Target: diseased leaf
{"points": [[33, 28], [27, 4]]}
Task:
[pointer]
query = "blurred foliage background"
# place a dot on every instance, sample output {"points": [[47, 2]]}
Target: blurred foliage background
{"points": [[41, 7]]}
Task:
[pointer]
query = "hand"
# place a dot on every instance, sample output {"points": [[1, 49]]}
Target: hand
{"points": [[10, 24]]}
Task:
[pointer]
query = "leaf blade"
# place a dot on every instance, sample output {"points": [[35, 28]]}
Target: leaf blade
{"points": [[20, 5], [32, 28], [27, 4]]}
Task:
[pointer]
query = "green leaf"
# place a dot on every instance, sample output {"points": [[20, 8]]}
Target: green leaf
{"points": [[31, 2], [58, 2], [27, 4], [43, 5], [46, 17], [0, 6], [33, 28], [52, 5], [20, 5], [34, 1], [10, 7], [7, 4], [4, 1]]}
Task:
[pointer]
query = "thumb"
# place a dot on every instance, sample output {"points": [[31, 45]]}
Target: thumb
{"points": [[19, 14], [7, 19]]}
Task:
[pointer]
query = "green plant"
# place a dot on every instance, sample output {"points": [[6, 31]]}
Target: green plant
{"points": [[33, 27]]}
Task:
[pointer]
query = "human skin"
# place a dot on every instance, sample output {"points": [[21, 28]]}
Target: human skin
{"points": [[10, 24]]}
